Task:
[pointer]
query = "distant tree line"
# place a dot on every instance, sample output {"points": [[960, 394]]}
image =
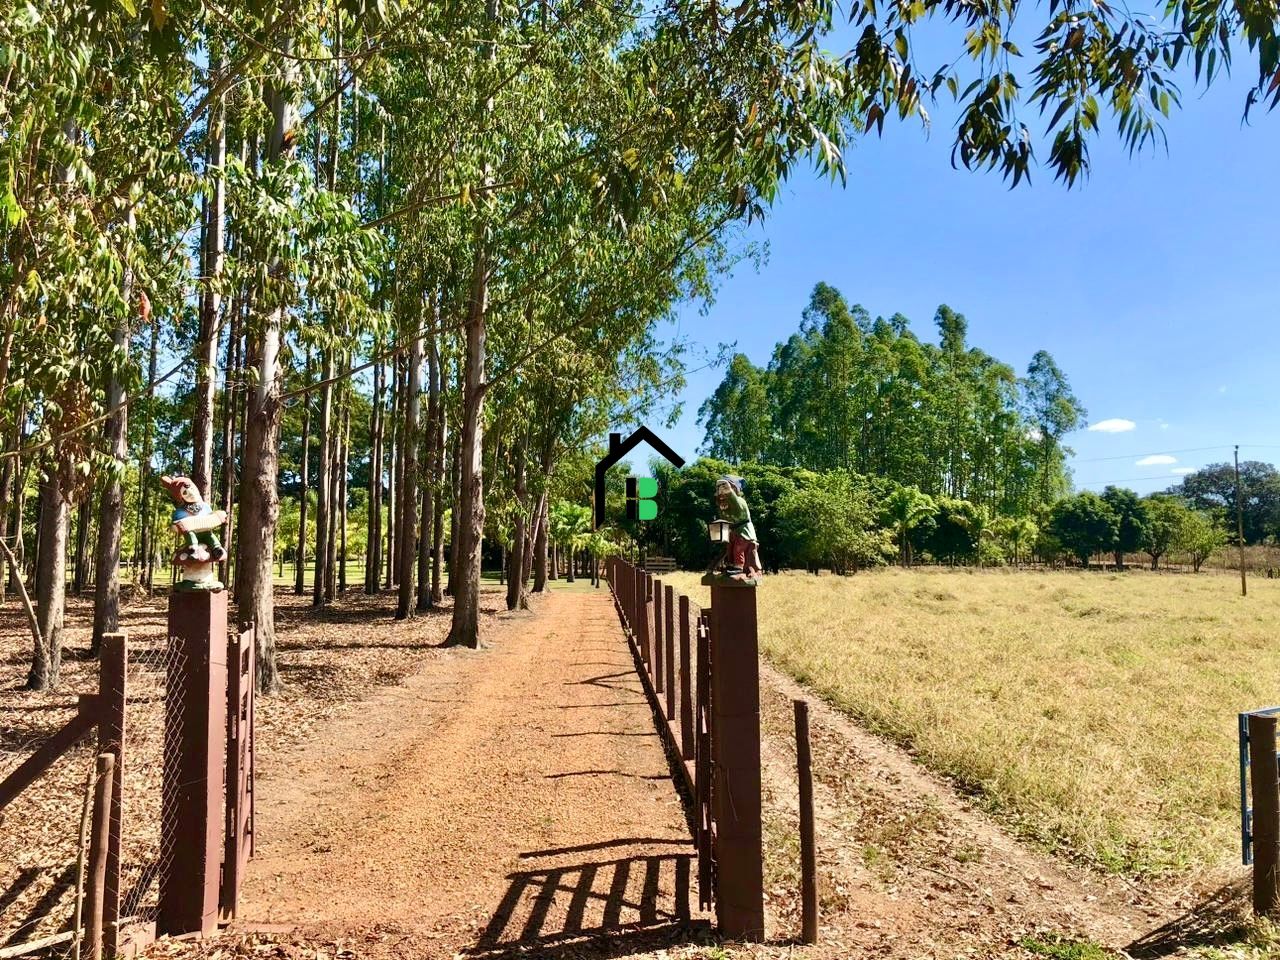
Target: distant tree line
{"points": [[852, 393], [862, 444], [846, 521]]}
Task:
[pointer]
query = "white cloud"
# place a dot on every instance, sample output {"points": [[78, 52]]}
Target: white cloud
{"points": [[1183, 471], [1157, 460], [1222, 389], [1114, 425], [1164, 424]]}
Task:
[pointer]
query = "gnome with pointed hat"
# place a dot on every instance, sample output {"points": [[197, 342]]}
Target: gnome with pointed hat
{"points": [[199, 524], [742, 552]]}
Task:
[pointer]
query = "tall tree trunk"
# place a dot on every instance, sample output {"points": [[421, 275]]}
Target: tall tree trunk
{"points": [[465, 630], [373, 549], [7, 484], [146, 547], [540, 550], [409, 442], [106, 600], [237, 400], [516, 597], [335, 452], [46, 661], [325, 440], [393, 473], [260, 506], [531, 541], [300, 555], [430, 482], [455, 485], [437, 471], [210, 300], [79, 574], [344, 464]]}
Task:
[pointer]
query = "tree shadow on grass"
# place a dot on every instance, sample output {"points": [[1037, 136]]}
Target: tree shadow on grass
{"points": [[605, 909], [1221, 919]]}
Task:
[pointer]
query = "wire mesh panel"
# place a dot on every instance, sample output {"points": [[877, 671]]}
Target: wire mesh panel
{"points": [[144, 855]]}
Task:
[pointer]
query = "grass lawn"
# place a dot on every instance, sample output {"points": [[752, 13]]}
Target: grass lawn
{"points": [[1095, 711]]}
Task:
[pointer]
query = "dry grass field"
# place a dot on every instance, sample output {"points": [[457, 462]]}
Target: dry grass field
{"points": [[1095, 712]]}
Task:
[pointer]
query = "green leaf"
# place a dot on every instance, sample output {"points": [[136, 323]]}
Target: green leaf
{"points": [[128, 7]]}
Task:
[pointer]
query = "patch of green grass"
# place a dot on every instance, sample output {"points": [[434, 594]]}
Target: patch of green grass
{"points": [[1056, 948]]}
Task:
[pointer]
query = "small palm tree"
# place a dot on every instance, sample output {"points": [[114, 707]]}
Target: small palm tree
{"points": [[570, 528], [906, 508], [1016, 531]]}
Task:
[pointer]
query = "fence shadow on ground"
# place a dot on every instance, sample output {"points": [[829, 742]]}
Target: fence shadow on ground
{"points": [[1219, 919], [609, 908]]}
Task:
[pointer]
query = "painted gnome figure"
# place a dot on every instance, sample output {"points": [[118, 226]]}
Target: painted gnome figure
{"points": [[741, 559], [199, 524]]}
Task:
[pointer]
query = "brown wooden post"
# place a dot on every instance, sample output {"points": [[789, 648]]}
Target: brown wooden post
{"points": [[646, 601], [702, 759], [735, 756], [238, 843], [1265, 780], [686, 694], [669, 640], [808, 853], [640, 627], [99, 843], [659, 641], [195, 745], [112, 700], [628, 576]]}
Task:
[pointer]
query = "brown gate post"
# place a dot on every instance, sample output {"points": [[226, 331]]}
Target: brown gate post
{"points": [[735, 755], [1265, 780], [195, 744]]}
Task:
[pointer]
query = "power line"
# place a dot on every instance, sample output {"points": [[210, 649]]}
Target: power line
{"points": [[1163, 453], [1155, 453]]}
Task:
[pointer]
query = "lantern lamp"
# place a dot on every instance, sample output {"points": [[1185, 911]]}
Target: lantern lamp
{"points": [[718, 530]]}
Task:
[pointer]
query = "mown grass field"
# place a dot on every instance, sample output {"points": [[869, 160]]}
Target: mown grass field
{"points": [[1096, 712]]}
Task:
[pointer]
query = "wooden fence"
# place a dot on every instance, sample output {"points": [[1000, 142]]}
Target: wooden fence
{"points": [[137, 821], [700, 672]]}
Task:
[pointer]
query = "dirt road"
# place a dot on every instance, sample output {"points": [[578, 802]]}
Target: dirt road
{"points": [[513, 800]]}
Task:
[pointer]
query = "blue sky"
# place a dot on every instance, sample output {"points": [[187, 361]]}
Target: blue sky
{"points": [[1154, 284]]}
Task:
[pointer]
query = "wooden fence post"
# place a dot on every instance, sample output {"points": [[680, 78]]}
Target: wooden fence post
{"points": [[668, 639], [112, 699], [1264, 776], [686, 694], [735, 756], [641, 627], [99, 843], [808, 853], [658, 645], [195, 750]]}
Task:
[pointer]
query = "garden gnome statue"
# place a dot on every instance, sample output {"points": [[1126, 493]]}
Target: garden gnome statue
{"points": [[741, 560], [200, 524]]}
